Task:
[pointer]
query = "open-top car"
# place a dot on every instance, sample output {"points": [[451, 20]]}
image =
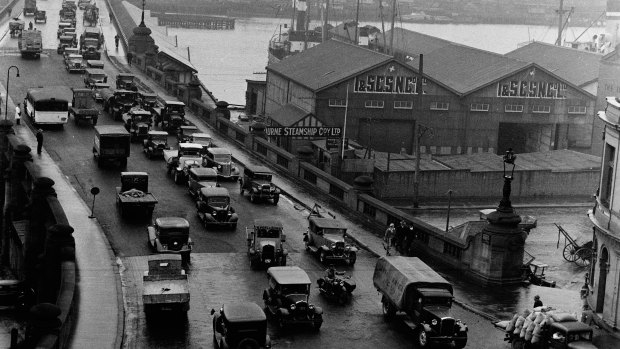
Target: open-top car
{"points": [[287, 300], [171, 235], [155, 144], [257, 181], [325, 237], [221, 160], [240, 325], [214, 208], [266, 243], [200, 177], [138, 122]]}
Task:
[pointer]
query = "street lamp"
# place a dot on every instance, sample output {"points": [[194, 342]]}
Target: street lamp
{"points": [[6, 105], [509, 159]]}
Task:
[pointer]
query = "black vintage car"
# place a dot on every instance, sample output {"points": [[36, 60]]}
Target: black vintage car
{"points": [[155, 144], [240, 325], [257, 181], [137, 122], [287, 298], [171, 235], [266, 243], [214, 208], [326, 238]]}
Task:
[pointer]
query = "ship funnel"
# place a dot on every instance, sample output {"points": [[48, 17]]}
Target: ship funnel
{"points": [[301, 8]]}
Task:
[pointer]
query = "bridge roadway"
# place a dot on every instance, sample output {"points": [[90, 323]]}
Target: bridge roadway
{"points": [[219, 271]]}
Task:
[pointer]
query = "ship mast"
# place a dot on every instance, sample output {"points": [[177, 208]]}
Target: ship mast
{"points": [[324, 34]]}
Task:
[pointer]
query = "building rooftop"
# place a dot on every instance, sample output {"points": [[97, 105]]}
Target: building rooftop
{"points": [[576, 66], [288, 115], [339, 61]]}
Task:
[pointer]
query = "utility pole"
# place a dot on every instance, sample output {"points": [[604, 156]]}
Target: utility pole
{"points": [[392, 29], [357, 22], [420, 130], [326, 20], [560, 13], [382, 25]]}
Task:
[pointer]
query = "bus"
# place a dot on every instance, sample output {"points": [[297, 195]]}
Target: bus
{"points": [[47, 106]]}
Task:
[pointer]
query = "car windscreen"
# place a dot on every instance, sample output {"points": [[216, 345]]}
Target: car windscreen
{"points": [[175, 109], [125, 97], [98, 77], [51, 105], [125, 78], [218, 201], [268, 233], [337, 231], [579, 336], [221, 157], [262, 176], [295, 289], [159, 137], [440, 301], [142, 118]]}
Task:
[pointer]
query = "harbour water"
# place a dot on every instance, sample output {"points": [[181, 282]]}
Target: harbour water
{"points": [[225, 59]]}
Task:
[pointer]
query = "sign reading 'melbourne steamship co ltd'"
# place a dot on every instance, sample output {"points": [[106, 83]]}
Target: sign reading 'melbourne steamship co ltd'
{"points": [[386, 84], [532, 89], [304, 131]]}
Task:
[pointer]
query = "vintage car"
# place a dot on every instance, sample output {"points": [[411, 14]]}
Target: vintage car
{"points": [[75, 63], [82, 4], [138, 122], [203, 139], [40, 16], [174, 157], [266, 243], [182, 170], [61, 27], [147, 100], [200, 177], [89, 50], [70, 51], [126, 81], [287, 300], [118, 102], [214, 208], [93, 76], [94, 64], [155, 144], [64, 42], [171, 115], [171, 235], [96, 91], [325, 237], [221, 160], [257, 181], [185, 132], [240, 325]]}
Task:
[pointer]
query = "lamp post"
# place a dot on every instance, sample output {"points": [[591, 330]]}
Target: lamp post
{"points": [[505, 205], [6, 105]]}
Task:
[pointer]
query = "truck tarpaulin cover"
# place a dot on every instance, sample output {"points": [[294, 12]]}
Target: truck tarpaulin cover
{"points": [[397, 277]]}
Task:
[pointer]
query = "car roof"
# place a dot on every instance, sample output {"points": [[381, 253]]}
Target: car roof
{"points": [[172, 222], [63, 24], [102, 84], [241, 312], [200, 134], [65, 37], [219, 151], [158, 133], [75, 89], [111, 129], [327, 223], [124, 91], [267, 222], [189, 127], [134, 173], [214, 191], [124, 75], [202, 171], [92, 30], [139, 112], [94, 61], [190, 145], [571, 326], [289, 275], [174, 103], [75, 56], [94, 70], [148, 94], [257, 168]]}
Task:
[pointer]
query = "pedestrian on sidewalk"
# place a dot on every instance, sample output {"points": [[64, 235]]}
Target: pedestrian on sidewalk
{"points": [[537, 301], [399, 237], [408, 241], [116, 38], [388, 238], [18, 114], [39, 141], [30, 26], [129, 58]]}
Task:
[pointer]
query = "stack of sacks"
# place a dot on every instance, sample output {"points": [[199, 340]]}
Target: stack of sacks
{"points": [[530, 325], [520, 321]]}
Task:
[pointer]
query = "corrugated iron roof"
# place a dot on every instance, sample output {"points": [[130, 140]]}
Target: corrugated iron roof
{"points": [[576, 66], [288, 115], [338, 61]]}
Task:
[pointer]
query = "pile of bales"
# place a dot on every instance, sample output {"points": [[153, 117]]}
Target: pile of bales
{"points": [[531, 326]]}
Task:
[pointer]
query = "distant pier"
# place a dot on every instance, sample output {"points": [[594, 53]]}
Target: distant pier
{"points": [[188, 20]]}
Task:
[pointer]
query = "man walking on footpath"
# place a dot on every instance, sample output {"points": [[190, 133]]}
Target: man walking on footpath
{"points": [[39, 141], [116, 38], [388, 238], [18, 114], [129, 57]]}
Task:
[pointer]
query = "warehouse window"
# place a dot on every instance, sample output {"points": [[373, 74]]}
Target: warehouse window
{"points": [[479, 107], [373, 104], [340, 103], [513, 108], [439, 106], [541, 109], [403, 105], [576, 109]]}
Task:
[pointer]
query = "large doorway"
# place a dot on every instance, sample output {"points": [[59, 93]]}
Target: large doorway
{"points": [[387, 135], [513, 136], [602, 280], [530, 138]]}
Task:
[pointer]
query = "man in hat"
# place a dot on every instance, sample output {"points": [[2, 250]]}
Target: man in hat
{"points": [[537, 301], [39, 141], [388, 238]]}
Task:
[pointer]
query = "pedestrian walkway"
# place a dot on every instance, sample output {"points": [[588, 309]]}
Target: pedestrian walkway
{"points": [[98, 296]]}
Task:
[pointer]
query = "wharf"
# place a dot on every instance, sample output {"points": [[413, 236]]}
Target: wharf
{"points": [[197, 21]]}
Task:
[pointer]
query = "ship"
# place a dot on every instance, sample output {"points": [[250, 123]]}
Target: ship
{"points": [[295, 39]]}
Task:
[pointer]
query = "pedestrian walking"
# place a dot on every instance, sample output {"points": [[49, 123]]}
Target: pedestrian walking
{"points": [[400, 236], [39, 141], [388, 238], [116, 38], [408, 241], [537, 301], [129, 57], [18, 115], [30, 26]]}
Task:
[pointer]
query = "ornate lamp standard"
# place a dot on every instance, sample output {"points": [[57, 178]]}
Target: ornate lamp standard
{"points": [[8, 76]]}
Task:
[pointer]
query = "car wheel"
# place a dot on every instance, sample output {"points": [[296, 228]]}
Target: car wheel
{"points": [[422, 338], [241, 189], [275, 200], [177, 178], [248, 343], [352, 258], [185, 258], [307, 246], [322, 257], [252, 198], [281, 323], [317, 325], [388, 309], [233, 226], [460, 343], [343, 298]]}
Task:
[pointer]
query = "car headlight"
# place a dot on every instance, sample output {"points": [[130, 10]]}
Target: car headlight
{"points": [[311, 307], [230, 213], [293, 307], [164, 246], [214, 213], [219, 167], [434, 322], [333, 246]]}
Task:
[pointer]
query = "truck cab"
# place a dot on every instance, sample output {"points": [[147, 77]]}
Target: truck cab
{"points": [[155, 143], [126, 81], [93, 76], [119, 102], [83, 107], [138, 122], [171, 115], [112, 143]]}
